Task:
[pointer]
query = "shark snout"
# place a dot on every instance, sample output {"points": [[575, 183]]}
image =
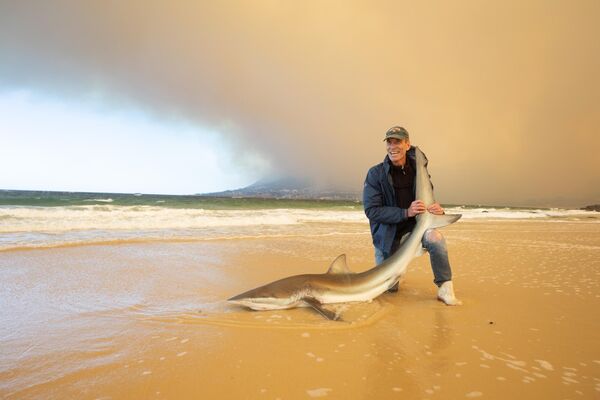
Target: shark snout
{"points": [[235, 298]]}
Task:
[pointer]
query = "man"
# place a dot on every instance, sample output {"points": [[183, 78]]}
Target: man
{"points": [[390, 205]]}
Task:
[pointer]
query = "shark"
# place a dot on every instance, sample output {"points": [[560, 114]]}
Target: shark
{"points": [[339, 284]]}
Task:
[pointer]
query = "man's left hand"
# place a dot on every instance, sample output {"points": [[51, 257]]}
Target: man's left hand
{"points": [[436, 209]]}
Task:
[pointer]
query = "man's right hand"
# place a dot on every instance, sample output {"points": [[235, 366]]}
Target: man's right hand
{"points": [[416, 207]]}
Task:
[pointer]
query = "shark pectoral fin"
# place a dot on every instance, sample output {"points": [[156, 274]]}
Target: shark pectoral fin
{"points": [[444, 220], [339, 266], [314, 303]]}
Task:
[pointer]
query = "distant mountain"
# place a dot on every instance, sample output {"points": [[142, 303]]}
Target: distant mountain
{"points": [[594, 207], [287, 188]]}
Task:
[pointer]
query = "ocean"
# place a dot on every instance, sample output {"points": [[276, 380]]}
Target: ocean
{"points": [[30, 219]]}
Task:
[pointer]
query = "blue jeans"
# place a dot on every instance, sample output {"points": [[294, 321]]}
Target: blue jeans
{"points": [[435, 244]]}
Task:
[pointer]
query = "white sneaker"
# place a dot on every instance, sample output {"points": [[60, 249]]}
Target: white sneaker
{"points": [[446, 294]]}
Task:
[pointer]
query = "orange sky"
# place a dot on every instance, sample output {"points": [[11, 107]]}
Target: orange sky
{"points": [[503, 97]]}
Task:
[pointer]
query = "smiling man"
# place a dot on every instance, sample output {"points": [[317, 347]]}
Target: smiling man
{"points": [[390, 204]]}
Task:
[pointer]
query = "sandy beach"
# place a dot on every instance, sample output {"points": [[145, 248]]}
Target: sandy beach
{"points": [[150, 321]]}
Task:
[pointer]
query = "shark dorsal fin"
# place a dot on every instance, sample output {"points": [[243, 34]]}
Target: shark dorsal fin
{"points": [[339, 266]]}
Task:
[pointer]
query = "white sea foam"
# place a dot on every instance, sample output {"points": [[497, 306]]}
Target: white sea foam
{"points": [[320, 392], [108, 217], [58, 219], [109, 200], [512, 213], [22, 226]]}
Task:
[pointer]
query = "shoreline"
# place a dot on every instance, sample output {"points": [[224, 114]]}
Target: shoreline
{"points": [[281, 224]]}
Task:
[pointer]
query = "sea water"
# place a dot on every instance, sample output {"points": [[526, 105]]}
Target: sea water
{"points": [[50, 219]]}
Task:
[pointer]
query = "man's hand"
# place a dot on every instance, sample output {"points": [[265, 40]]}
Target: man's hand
{"points": [[416, 207], [436, 209]]}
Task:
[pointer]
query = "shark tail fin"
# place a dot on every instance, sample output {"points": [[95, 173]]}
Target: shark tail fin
{"points": [[444, 220]]}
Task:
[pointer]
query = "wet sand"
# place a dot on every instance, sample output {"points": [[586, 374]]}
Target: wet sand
{"points": [[149, 321]]}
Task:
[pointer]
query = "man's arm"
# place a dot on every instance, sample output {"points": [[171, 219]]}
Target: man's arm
{"points": [[373, 203]]}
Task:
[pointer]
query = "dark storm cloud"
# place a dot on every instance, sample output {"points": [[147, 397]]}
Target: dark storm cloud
{"points": [[503, 97]]}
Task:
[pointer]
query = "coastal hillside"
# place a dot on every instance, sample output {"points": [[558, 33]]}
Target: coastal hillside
{"points": [[288, 188]]}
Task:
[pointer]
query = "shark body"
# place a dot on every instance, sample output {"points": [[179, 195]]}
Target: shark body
{"points": [[339, 284]]}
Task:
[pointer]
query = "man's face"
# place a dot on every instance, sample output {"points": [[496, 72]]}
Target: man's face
{"points": [[396, 149]]}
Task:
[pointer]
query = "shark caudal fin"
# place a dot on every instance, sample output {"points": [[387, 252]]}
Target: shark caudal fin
{"points": [[424, 192], [440, 221]]}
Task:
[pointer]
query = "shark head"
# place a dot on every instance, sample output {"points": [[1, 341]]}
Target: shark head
{"points": [[277, 295]]}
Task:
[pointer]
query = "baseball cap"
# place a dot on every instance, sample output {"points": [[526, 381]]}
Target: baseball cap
{"points": [[397, 132]]}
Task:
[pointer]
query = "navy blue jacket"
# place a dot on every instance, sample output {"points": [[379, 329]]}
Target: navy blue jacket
{"points": [[379, 201]]}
